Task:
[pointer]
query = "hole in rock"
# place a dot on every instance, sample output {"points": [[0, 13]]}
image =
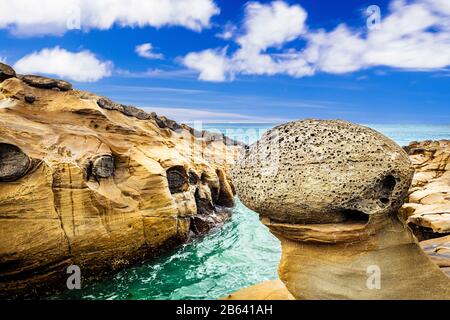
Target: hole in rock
{"points": [[177, 179], [204, 206], [389, 183], [102, 167], [355, 215], [193, 177]]}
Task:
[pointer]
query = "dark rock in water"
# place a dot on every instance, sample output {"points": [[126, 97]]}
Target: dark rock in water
{"points": [[14, 163], [177, 179], [6, 72], [201, 224], [46, 83], [135, 112], [30, 98], [103, 167], [204, 206]]}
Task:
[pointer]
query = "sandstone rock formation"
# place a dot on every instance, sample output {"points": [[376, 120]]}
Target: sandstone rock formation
{"points": [[6, 72], [427, 209], [268, 290], [89, 182], [330, 191], [438, 249]]}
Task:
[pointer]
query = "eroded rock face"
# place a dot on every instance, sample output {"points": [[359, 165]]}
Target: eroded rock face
{"points": [[427, 209], [330, 191], [88, 183]]}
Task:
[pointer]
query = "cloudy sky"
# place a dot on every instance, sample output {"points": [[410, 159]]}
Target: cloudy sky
{"points": [[238, 61]]}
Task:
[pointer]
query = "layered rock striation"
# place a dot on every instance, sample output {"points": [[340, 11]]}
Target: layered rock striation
{"points": [[427, 208], [90, 182]]}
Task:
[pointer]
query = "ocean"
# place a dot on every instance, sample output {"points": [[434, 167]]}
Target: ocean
{"points": [[240, 254]]}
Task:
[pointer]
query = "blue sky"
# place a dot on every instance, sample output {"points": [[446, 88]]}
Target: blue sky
{"points": [[239, 61]]}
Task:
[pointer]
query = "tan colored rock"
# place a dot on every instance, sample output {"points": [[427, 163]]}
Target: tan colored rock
{"points": [[332, 200], [427, 209], [6, 72], [438, 249], [96, 187], [268, 290]]}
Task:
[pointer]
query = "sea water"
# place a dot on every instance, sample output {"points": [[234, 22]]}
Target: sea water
{"points": [[240, 254]]}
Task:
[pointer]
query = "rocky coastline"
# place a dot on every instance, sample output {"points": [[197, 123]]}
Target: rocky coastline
{"points": [[89, 182], [101, 185]]}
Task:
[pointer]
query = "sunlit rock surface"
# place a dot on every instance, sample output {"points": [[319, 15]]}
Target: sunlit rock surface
{"points": [[330, 191], [428, 206], [89, 182]]}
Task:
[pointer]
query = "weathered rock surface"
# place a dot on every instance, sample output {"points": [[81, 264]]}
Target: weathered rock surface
{"points": [[427, 209], [6, 72], [46, 83], [332, 198], [96, 185], [268, 290], [438, 249], [322, 172]]}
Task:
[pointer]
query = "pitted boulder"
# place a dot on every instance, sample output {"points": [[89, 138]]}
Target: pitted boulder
{"points": [[14, 163], [330, 191], [316, 171], [46, 83], [6, 72]]}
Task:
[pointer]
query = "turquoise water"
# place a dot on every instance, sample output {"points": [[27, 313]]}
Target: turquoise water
{"points": [[240, 254]]}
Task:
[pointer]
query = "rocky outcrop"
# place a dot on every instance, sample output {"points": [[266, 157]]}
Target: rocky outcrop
{"points": [[46, 83], [268, 290], [438, 249], [427, 209], [89, 182], [330, 191], [6, 72]]}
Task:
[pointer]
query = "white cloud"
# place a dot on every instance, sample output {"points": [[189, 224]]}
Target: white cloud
{"points": [[145, 50], [228, 31], [271, 25], [30, 17], [81, 66], [414, 35], [264, 26], [212, 64]]}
